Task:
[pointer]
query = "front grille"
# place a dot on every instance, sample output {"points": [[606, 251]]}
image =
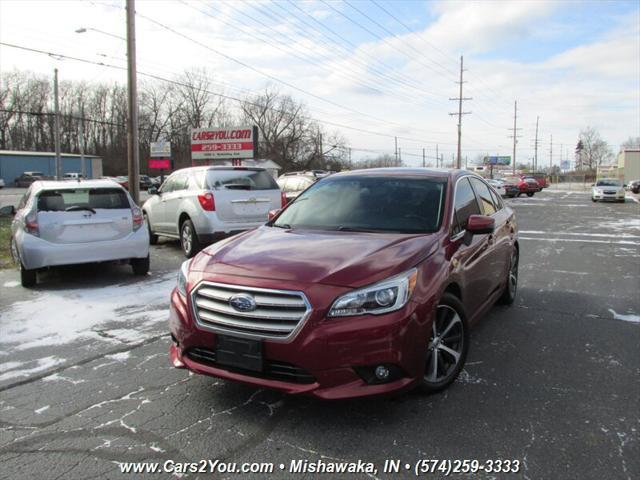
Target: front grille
{"points": [[273, 370], [610, 192], [277, 315]]}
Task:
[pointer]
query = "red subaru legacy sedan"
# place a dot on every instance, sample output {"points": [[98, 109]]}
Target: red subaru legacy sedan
{"points": [[366, 284]]}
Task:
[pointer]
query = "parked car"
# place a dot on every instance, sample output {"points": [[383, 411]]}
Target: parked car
{"points": [[1, 183], [541, 178], [608, 189], [634, 186], [62, 223], [366, 284], [294, 183], [527, 185], [123, 181], [145, 182], [27, 178], [511, 188], [198, 205], [72, 176]]}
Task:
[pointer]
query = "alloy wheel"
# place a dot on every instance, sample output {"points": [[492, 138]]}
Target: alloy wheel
{"points": [[187, 239], [513, 274], [445, 345]]}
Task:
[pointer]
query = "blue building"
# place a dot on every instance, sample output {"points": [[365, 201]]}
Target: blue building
{"points": [[14, 163]]}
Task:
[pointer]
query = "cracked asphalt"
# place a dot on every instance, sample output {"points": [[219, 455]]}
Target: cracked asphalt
{"points": [[553, 381]]}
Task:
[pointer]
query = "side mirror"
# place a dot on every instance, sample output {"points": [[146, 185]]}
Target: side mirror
{"points": [[478, 225], [274, 213], [8, 210], [153, 190]]}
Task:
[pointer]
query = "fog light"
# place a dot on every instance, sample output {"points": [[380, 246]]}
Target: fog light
{"points": [[382, 372]]}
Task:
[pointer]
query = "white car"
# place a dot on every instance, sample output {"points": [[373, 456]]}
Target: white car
{"points": [[198, 205], [1, 183], [608, 189], [63, 223], [498, 187], [72, 176]]}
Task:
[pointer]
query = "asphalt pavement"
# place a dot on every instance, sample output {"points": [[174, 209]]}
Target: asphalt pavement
{"points": [[552, 381]]}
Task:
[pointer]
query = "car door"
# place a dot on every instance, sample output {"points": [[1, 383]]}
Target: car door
{"points": [[472, 262], [499, 241], [157, 213], [172, 202]]}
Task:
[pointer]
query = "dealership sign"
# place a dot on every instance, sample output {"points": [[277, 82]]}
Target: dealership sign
{"points": [[497, 160], [223, 143], [160, 153]]}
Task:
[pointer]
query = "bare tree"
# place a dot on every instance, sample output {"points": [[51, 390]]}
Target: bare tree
{"points": [[631, 143], [592, 151]]}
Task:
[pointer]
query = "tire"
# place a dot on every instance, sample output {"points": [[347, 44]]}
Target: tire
{"points": [[593, 200], [529, 194], [28, 278], [140, 266], [519, 193], [153, 238], [189, 239], [511, 287], [450, 320]]}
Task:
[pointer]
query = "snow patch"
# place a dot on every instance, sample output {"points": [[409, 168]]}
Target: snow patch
{"points": [[42, 364], [625, 318], [40, 410], [59, 317], [11, 284]]}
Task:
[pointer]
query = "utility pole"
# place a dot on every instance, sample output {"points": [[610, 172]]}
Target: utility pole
{"points": [[441, 160], [396, 139], [133, 152], [551, 155], [83, 169], [466, 162], [321, 152], [460, 99], [399, 156], [349, 155], [515, 133], [535, 158], [437, 157], [56, 125], [424, 161]]}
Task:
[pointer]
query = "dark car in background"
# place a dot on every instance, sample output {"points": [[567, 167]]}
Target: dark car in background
{"points": [[634, 186], [27, 178], [146, 182], [365, 284]]}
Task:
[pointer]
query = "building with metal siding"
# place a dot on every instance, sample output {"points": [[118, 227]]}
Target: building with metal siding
{"points": [[629, 164], [14, 163]]}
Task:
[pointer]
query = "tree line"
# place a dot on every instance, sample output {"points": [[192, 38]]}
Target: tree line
{"points": [[167, 111]]}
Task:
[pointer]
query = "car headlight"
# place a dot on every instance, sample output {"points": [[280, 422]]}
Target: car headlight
{"points": [[383, 297], [182, 278], [597, 191]]}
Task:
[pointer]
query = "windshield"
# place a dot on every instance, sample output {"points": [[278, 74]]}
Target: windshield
{"points": [[609, 183], [241, 180], [375, 204]]}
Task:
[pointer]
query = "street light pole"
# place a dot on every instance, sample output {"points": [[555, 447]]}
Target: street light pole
{"points": [[133, 153]]}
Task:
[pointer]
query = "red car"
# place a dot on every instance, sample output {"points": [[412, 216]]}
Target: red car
{"points": [[526, 185], [365, 284], [541, 178]]}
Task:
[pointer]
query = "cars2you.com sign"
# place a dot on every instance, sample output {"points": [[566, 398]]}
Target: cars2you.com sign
{"points": [[223, 143]]}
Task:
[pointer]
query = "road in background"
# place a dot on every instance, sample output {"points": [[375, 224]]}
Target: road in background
{"points": [[552, 381]]}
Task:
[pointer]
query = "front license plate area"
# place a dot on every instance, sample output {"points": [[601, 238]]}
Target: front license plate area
{"points": [[239, 353]]}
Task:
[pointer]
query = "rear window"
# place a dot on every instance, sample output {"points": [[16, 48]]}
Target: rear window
{"points": [[64, 199], [241, 180]]}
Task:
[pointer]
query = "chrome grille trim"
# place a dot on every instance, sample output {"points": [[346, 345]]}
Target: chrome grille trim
{"points": [[278, 316]]}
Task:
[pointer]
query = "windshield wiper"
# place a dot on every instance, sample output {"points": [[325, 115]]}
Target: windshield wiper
{"points": [[77, 208], [283, 225]]}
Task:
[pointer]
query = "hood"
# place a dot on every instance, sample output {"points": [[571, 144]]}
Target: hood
{"points": [[350, 259]]}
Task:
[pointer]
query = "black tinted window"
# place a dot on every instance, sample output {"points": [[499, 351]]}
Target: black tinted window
{"points": [[241, 180], [63, 199], [465, 206], [484, 196], [394, 204]]}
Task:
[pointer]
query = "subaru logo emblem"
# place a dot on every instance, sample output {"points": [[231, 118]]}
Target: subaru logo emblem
{"points": [[243, 302]]}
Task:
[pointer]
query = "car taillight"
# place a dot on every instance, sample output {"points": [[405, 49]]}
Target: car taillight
{"points": [[138, 219], [31, 224], [207, 202], [283, 200]]}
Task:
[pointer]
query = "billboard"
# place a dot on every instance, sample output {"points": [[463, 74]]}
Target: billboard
{"points": [[160, 149], [223, 143], [160, 163], [564, 165], [506, 160]]}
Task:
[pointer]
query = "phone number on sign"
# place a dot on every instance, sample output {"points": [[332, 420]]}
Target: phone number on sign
{"points": [[448, 467]]}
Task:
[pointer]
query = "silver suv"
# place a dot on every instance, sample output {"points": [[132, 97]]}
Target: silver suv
{"points": [[199, 205]]}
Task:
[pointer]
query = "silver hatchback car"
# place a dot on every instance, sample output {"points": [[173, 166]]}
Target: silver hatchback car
{"points": [[72, 222], [199, 205]]}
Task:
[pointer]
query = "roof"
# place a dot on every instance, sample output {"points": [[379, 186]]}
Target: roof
{"points": [[407, 171], [19, 153], [62, 184], [218, 167]]}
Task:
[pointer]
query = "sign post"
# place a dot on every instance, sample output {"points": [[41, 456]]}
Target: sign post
{"points": [[160, 157]]}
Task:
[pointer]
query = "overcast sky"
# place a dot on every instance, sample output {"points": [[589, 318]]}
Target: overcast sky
{"points": [[572, 63]]}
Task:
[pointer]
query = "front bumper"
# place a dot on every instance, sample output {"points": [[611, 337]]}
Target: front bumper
{"points": [[327, 352], [36, 252], [618, 196]]}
